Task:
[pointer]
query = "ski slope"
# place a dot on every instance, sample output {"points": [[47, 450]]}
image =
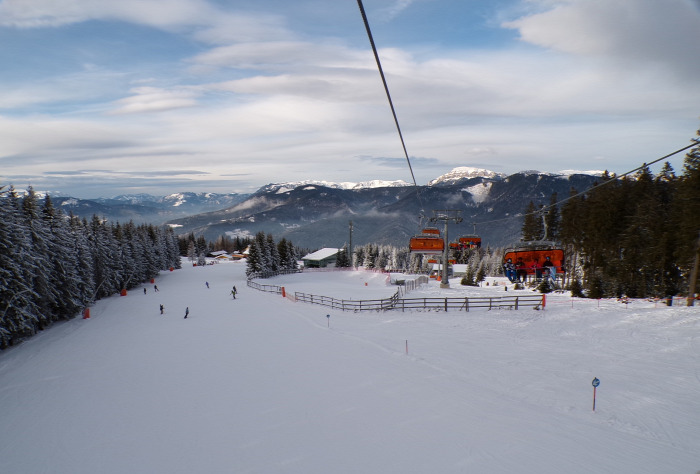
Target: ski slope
{"points": [[261, 384]]}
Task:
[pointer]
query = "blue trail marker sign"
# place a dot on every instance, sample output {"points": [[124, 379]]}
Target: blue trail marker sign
{"points": [[595, 384]]}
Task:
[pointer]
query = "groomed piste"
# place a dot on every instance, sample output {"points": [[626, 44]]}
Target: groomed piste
{"points": [[261, 384]]}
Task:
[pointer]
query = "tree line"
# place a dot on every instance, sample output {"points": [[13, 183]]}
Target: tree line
{"points": [[266, 257], [53, 266], [636, 236]]}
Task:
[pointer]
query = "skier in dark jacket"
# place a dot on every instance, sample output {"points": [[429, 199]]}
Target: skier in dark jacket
{"points": [[509, 269], [520, 270], [549, 269], [537, 268], [187, 312]]}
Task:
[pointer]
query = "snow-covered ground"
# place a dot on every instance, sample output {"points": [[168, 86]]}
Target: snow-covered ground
{"points": [[261, 384]]}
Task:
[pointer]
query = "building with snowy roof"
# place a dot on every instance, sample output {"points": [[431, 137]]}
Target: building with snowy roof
{"points": [[322, 258]]}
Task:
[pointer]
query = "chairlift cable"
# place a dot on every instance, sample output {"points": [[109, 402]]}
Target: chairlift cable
{"points": [[696, 142], [386, 87]]}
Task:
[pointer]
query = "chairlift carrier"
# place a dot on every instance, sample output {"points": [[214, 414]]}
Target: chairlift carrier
{"points": [[536, 251]]}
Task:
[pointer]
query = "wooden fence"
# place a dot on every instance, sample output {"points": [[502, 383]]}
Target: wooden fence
{"points": [[410, 285], [397, 303], [348, 305], [469, 303], [267, 288]]}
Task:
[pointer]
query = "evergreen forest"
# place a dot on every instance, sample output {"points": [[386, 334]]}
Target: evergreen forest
{"points": [[53, 266], [637, 236]]}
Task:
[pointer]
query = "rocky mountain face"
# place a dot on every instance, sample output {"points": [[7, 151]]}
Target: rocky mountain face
{"points": [[314, 214]]}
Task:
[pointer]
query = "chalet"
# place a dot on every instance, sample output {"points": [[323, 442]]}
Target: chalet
{"points": [[322, 258]]}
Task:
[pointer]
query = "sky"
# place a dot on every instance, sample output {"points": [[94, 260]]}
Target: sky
{"points": [[100, 98], [261, 384]]}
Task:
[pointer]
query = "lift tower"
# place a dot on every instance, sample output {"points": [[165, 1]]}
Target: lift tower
{"points": [[446, 215]]}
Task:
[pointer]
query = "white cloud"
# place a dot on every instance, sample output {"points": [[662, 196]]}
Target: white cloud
{"points": [[42, 13], [394, 9], [628, 31], [154, 99], [203, 20], [585, 84]]}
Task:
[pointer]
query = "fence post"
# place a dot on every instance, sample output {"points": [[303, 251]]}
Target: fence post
{"points": [[544, 300], [516, 303]]}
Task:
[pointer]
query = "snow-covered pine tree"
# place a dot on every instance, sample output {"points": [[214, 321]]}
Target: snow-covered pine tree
{"points": [[87, 286], [533, 227], [275, 263], [17, 298], [38, 261], [342, 260], [63, 264]]}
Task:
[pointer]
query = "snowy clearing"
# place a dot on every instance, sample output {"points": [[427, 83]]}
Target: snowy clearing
{"points": [[261, 384]]}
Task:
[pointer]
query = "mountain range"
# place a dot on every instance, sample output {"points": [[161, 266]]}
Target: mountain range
{"points": [[318, 214], [315, 214], [145, 208]]}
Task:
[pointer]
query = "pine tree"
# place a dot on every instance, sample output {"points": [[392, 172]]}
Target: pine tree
{"points": [[552, 220], [686, 214], [79, 235], [265, 256], [63, 264], [275, 263], [290, 261], [39, 257], [533, 228], [342, 260], [254, 261], [19, 317], [481, 272], [173, 253], [191, 251]]}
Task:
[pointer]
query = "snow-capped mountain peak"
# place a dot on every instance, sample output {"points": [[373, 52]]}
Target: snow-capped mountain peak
{"points": [[289, 186], [465, 172]]}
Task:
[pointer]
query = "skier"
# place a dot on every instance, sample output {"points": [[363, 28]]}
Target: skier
{"points": [[520, 270], [233, 292], [549, 267], [187, 312], [537, 268], [509, 268], [161, 309], [144, 291], [207, 283], [155, 288]]}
